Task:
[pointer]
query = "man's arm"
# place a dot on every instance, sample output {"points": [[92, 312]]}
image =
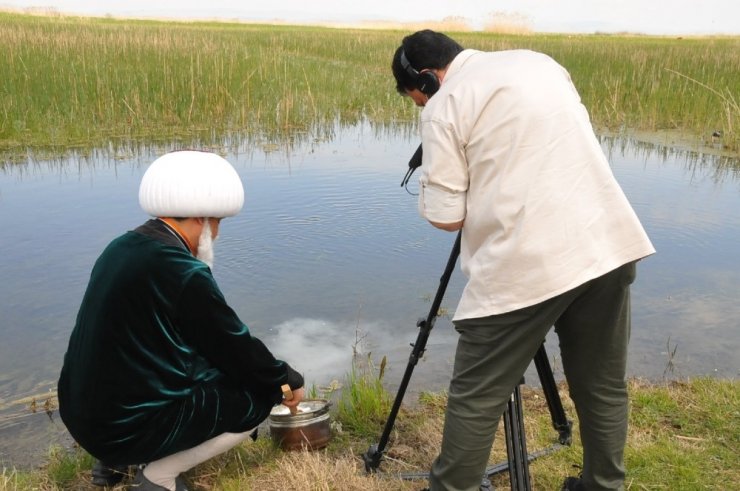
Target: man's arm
{"points": [[214, 330], [443, 183]]}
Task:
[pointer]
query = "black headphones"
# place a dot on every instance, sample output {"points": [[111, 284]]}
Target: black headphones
{"points": [[427, 81]]}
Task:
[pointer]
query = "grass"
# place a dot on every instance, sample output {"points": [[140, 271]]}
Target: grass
{"points": [[364, 404], [683, 435], [73, 84]]}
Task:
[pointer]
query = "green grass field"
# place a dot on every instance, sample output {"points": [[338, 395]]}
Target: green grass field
{"points": [[683, 436], [72, 83]]}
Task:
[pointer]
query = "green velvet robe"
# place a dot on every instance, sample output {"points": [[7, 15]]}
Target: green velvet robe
{"points": [[157, 361]]}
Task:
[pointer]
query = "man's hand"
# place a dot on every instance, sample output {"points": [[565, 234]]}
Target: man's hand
{"points": [[450, 227], [291, 398]]}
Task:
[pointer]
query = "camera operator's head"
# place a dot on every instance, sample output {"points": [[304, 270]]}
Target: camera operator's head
{"points": [[420, 62]]}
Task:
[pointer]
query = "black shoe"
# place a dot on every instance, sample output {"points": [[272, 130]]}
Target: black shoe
{"points": [[106, 475], [141, 483], [572, 484]]}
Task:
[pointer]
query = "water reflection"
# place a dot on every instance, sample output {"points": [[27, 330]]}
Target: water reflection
{"points": [[284, 141], [712, 161], [329, 256]]}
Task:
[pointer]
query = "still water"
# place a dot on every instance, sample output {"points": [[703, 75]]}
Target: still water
{"points": [[329, 256]]}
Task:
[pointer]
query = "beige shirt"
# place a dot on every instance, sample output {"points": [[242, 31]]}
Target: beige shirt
{"points": [[509, 148]]}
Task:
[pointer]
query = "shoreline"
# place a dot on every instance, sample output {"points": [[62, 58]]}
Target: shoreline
{"points": [[675, 140], [31, 459], [672, 424]]}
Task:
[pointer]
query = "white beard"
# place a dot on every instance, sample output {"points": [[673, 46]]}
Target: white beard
{"points": [[205, 244]]}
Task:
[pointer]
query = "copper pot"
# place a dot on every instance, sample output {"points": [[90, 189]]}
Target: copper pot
{"points": [[309, 428]]}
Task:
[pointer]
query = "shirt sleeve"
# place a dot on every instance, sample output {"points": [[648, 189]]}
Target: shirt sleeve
{"points": [[444, 179], [218, 334]]}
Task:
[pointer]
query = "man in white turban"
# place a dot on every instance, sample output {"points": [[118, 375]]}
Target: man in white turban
{"points": [[159, 369]]}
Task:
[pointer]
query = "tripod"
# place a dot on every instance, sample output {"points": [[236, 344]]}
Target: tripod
{"points": [[516, 445]]}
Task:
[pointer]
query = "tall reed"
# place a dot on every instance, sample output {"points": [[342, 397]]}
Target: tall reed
{"points": [[71, 81]]}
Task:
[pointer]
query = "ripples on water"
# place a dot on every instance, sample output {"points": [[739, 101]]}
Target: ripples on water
{"points": [[329, 255]]}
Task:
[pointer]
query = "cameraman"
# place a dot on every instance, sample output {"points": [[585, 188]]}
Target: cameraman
{"points": [[549, 239]]}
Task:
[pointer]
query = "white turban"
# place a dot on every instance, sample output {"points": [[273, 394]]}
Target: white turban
{"points": [[191, 184]]}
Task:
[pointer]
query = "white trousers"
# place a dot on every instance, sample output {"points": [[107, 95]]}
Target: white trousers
{"points": [[164, 471]]}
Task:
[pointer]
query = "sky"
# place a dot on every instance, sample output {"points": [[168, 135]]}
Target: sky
{"points": [[657, 17]]}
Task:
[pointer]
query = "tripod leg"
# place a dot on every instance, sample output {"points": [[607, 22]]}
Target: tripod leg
{"points": [[374, 454], [552, 396], [516, 443]]}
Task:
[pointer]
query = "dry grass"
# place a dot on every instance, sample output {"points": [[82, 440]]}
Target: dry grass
{"points": [[317, 472], [508, 23], [684, 435], [413, 446]]}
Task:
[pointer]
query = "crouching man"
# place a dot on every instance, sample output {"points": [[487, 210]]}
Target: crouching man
{"points": [[159, 369]]}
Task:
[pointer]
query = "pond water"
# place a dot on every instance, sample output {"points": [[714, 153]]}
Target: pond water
{"points": [[329, 256]]}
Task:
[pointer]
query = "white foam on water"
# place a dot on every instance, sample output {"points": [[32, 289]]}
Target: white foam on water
{"points": [[320, 350]]}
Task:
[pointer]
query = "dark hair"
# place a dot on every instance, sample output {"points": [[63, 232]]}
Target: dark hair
{"points": [[425, 49]]}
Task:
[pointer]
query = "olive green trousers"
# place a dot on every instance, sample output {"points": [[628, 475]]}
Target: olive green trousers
{"points": [[592, 323]]}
